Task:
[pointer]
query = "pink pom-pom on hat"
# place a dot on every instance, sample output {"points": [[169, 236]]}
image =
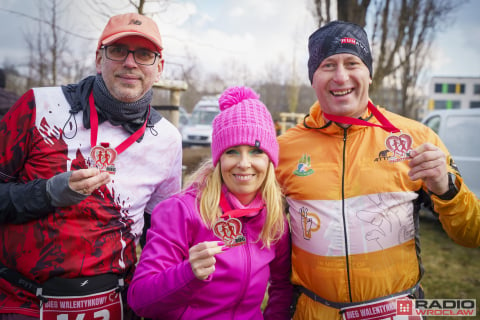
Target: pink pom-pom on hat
{"points": [[243, 120], [235, 95]]}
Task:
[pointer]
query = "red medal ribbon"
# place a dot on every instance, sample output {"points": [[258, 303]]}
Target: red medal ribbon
{"points": [[94, 126], [385, 124]]}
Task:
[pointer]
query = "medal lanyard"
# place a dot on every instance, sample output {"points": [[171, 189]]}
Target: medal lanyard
{"points": [[385, 124], [234, 213], [94, 127]]}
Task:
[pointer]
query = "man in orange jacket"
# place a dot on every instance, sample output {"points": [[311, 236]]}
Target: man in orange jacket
{"points": [[354, 175]]}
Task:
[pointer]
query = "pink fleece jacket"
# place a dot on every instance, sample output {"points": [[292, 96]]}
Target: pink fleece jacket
{"points": [[164, 286]]}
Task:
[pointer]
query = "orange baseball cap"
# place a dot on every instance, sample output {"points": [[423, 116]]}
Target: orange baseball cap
{"points": [[130, 24]]}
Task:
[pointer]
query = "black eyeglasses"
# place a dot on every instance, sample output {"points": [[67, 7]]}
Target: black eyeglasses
{"points": [[141, 56]]}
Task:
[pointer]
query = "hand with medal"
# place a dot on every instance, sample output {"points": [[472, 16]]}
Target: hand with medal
{"points": [[429, 164], [202, 257], [72, 187], [85, 181]]}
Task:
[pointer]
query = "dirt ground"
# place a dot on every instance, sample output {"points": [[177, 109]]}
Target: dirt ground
{"points": [[193, 156]]}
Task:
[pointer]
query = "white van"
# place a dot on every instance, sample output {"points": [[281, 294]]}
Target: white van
{"points": [[198, 131], [459, 129]]}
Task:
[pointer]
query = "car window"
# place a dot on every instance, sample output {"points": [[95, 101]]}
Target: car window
{"points": [[183, 118], [461, 135], [203, 117], [434, 123]]}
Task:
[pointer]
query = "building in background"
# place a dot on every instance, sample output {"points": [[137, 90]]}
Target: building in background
{"points": [[454, 93]]}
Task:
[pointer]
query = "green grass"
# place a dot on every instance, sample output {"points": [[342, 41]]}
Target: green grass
{"points": [[451, 271]]}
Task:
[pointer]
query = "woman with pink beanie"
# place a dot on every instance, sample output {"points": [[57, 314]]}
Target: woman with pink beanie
{"points": [[213, 249]]}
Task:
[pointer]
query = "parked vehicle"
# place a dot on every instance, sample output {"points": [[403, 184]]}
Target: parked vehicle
{"points": [[459, 130], [198, 131]]}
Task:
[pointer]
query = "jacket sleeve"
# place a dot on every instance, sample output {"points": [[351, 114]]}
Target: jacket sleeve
{"points": [[280, 290], [20, 201], [164, 280], [460, 216]]}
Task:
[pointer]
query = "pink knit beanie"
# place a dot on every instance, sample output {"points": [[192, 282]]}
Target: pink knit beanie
{"points": [[243, 120]]}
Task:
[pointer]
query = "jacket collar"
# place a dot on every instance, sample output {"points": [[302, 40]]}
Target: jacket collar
{"points": [[315, 120]]}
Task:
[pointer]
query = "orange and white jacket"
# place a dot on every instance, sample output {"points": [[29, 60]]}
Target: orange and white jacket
{"points": [[354, 210]]}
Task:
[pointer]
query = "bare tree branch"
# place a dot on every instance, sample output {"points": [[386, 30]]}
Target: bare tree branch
{"points": [[43, 21], [402, 32]]}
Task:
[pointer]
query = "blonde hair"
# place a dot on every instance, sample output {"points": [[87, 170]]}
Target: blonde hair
{"points": [[208, 180]]}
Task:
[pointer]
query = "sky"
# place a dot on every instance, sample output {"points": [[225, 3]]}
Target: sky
{"points": [[226, 35]]}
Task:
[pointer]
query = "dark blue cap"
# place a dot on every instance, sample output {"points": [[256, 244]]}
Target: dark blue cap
{"points": [[338, 37]]}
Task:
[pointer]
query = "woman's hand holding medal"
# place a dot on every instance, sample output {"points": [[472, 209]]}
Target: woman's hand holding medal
{"points": [[202, 257]]}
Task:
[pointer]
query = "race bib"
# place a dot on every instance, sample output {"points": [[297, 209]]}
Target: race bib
{"points": [[105, 305], [378, 310]]}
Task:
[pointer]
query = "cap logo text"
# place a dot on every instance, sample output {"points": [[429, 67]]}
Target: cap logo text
{"points": [[137, 22], [349, 40]]}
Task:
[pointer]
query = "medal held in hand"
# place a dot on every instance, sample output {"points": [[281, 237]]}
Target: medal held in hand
{"points": [[103, 157], [400, 145], [230, 231]]}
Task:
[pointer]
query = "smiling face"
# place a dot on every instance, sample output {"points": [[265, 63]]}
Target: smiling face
{"points": [[244, 169], [341, 84], [127, 80]]}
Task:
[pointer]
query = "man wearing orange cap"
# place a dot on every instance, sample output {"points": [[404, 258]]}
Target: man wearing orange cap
{"points": [[80, 165]]}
